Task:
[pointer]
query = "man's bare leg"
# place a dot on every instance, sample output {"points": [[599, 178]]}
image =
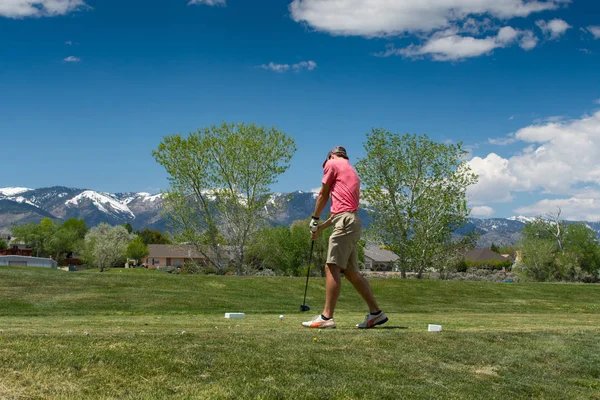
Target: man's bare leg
{"points": [[333, 286], [363, 287]]}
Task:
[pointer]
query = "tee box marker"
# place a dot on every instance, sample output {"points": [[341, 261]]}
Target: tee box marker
{"points": [[234, 315]]}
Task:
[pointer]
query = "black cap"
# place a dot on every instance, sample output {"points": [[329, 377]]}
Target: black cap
{"points": [[338, 151]]}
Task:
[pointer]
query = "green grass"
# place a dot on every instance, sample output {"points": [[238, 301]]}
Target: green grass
{"points": [[137, 334]]}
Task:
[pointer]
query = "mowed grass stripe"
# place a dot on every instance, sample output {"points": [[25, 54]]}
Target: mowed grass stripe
{"points": [[51, 292]]}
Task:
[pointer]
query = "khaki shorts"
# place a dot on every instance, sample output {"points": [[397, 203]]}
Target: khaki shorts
{"points": [[343, 250]]}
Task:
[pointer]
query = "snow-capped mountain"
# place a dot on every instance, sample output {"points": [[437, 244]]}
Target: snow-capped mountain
{"points": [[21, 205]]}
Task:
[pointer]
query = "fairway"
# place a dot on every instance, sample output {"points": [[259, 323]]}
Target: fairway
{"points": [[138, 334]]}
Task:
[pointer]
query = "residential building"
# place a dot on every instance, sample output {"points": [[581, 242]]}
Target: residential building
{"points": [[23, 261], [379, 259], [167, 255]]}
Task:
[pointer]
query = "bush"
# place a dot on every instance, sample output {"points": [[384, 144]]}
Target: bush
{"points": [[493, 265], [169, 269], [461, 266]]}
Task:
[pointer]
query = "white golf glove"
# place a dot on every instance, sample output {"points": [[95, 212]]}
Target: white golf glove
{"points": [[314, 224]]}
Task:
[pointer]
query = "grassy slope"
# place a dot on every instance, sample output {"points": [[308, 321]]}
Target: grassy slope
{"points": [[119, 335]]}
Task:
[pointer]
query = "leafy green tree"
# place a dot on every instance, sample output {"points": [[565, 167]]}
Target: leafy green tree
{"points": [[3, 244], [78, 226], [495, 248], [152, 237], [36, 236], [582, 243], [137, 250], [416, 189], [106, 246], [128, 227], [552, 250], [220, 180], [62, 241], [538, 260], [286, 250]]}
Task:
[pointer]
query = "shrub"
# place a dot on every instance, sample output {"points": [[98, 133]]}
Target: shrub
{"points": [[493, 265]]}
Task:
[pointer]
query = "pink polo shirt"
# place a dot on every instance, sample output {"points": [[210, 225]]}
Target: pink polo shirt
{"points": [[345, 185]]}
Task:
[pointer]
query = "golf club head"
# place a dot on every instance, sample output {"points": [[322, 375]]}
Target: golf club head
{"points": [[304, 308]]}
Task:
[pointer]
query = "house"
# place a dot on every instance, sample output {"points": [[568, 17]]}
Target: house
{"points": [[484, 255], [379, 259], [167, 255], [24, 261], [5, 237], [14, 248]]}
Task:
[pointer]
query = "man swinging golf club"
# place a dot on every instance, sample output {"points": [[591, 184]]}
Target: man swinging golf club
{"points": [[341, 181]]}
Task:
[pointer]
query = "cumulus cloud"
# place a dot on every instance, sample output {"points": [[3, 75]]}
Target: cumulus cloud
{"points": [[378, 18], [482, 211], [448, 46], [72, 59], [573, 208], [208, 2], [594, 30], [280, 68], [39, 8], [553, 29], [559, 158], [528, 41]]}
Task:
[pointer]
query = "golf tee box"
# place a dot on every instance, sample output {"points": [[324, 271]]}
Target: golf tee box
{"points": [[234, 315], [434, 328]]}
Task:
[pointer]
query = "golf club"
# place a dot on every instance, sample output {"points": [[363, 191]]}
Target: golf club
{"points": [[304, 307]]}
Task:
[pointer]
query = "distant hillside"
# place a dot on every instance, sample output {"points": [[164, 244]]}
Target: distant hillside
{"points": [[22, 205]]}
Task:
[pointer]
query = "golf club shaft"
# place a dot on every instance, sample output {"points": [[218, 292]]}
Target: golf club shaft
{"points": [[312, 245]]}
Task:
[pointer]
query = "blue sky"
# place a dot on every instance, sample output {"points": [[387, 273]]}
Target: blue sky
{"points": [[89, 88]]}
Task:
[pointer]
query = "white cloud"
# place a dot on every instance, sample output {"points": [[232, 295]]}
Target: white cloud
{"points": [[510, 139], [280, 68], [72, 59], [377, 18], [208, 2], [594, 30], [39, 8], [482, 211], [553, 29], [597, 101], [69, 43], [448, 46], [573, 208], [528, 41], [559, 158], [495, 182]]}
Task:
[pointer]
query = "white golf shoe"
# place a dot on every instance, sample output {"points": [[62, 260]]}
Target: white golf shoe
{"points": [[372, 321]]}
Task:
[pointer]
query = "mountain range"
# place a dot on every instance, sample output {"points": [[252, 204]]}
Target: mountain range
{"points": [[21, 205]]}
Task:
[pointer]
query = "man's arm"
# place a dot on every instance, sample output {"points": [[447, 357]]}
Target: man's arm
{"points": [[322, 200]]}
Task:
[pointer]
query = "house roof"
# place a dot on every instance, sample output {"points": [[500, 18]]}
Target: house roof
{"points": [[173, 251], [183, 251], [378, 254], [482, 255]]}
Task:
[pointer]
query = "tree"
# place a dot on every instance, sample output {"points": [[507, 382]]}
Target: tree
{"points": [[286, 250], [36, 236], [106, 246], [137, 250], [416, 189], [554, 250], [220, 179], [152, 237], [128, 227], [78, 226], [3, 245], [495, 248]]}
